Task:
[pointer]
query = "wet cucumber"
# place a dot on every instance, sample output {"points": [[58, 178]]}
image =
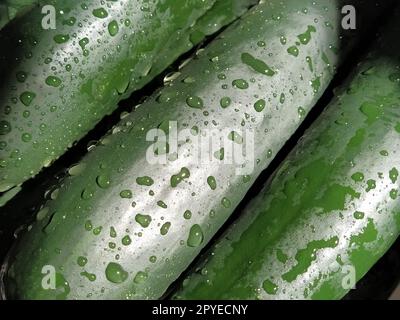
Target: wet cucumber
{"points": [[57, 84], [9, 9], [124, 227], [331, 210]]}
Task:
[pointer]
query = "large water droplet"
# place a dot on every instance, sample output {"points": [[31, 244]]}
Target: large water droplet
{"points": [[212, 182], [61, 38], [144, 181], [178, 178], [115, 273], [113, 28], [143, 220], [53, 81], [100, 13], [195, 236], [240, 84], [27, 97], [195, 102], [103, 181]]}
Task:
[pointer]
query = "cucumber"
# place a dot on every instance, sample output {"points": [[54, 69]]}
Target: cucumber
{"points": [[124, 226], [57, 84], [9, 9], [330, 211]]}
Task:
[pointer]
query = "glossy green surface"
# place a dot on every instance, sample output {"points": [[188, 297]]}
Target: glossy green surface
{"points": [[115, 192], [57, 84], [9, 9], [331, 210]]}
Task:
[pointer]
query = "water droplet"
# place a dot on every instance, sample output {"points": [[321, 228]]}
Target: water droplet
{"points": [[187, 214], [219, 154], [97, 230], [235, 137], [61, 38], [90, 276], [26, 137], [306, 36], [357, 177], [282, 98], [21, 76], [293, 50], [310, 64], [165, 228], [42, 213], [113, 232], [126, 194], [358, 215], [77, 169], [70, 21], [103, 181], [212, 182], [246, 178], [27, 98], [5, 127], [178, 178], [257, 64], [144, 181], [140, 277], [371, 184], [226, 202], [126, 240], [53, 81], [82, 261], [143, 220], [113, 28], [100, 13], [87, 194], [195, 236], [301, 112], [195, 102], [259, 105], [270, 287], [162, 204], [393, 175], [225, 102], [261, 43], [115, 273], [240, 84]]}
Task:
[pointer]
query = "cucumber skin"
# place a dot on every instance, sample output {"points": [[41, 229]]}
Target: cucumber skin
{"points": [[9, 9], [299, 205], [96, 83], [121, 157]]}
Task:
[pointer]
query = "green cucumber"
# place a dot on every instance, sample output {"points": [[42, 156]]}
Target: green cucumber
{"points": [[9, 9], [331, 210], [57, 84], [124, 228]]}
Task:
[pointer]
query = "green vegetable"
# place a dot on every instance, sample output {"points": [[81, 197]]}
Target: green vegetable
{"points": [[138, 221], [57, 84], [9, 9], [331, 210]]}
